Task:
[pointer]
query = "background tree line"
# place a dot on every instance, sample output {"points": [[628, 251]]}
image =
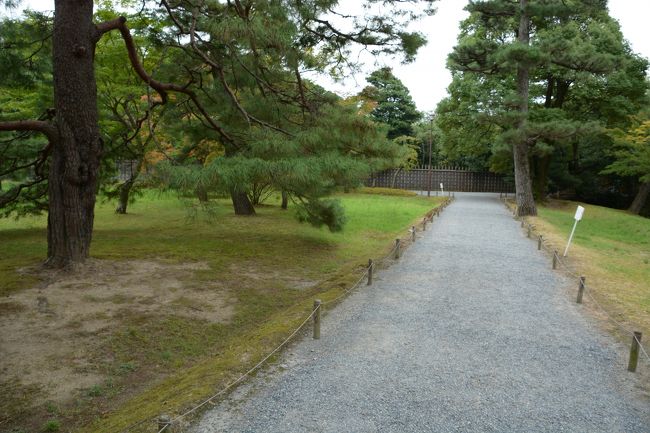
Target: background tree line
{"points": [[215, 89]]}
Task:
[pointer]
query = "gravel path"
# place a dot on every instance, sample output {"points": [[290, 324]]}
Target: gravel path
{"points": [[470, 332]]}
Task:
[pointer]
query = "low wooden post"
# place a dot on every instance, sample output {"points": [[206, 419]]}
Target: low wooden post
{"points": [[634, 352], [371, 265], [413, 233], [424, 224], [581, 289], [555, 259], [397, 247], [164, 421], [529, 230], [539, 242], [317, 304]]}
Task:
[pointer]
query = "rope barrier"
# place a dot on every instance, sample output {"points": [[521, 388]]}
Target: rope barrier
{"points": [[281, 345], [243, 376], [365, 274], [588, 290], [642, 348]]}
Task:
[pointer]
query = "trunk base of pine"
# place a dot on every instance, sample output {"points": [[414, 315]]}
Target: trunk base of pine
{"points": [[123, 200], [241, 203], [285, 200]]}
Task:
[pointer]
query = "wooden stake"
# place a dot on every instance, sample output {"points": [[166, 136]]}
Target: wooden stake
{"points": [[634, 352], [413, 233], [555, 259], [581, 290], [317, 305], [529, 229], [371, 265], [424, 224], [397, 246]]}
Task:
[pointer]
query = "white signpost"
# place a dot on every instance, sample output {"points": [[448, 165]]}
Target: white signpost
{"points": [[577, 217], [442, 189]]}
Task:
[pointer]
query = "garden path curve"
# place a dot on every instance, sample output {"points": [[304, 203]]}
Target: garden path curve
{"points": [[470, 332]]}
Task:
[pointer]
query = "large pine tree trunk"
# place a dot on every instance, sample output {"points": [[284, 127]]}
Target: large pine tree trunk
{"points": [[241, 203], [523, 184], [640, 198], [75, 158]]}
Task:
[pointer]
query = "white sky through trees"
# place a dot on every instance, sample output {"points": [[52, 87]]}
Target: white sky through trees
{"points": [[427, 78]]}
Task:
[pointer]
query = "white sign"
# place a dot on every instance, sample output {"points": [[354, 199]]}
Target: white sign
{"points": [[578, 216], [579, 213]]}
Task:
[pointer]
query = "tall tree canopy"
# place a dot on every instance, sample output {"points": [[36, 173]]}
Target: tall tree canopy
{"points": [[544, 70], [394, 105], [235, 67]]}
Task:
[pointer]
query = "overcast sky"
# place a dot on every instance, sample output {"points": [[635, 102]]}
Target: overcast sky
{"points": [[427, 77]]}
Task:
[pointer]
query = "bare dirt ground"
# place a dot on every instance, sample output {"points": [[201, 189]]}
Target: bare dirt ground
{"points": [[49, 333]]}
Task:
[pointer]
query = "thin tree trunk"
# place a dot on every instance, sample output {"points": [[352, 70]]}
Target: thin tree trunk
{"points": [[202, 195], [640, 198], [523, 184], [285, 200], [74, 165], [241, 203], [126, 187]]}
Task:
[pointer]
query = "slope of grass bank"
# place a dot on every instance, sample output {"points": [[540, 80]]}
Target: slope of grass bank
{"points": [[171, 308], [611, 248]]}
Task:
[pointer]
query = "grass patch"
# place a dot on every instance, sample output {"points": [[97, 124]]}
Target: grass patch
{"points": [[611, 248], [269, 267]]}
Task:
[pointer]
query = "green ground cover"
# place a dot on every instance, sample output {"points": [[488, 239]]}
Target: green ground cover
{"points": [[269, 268], [611, 248]]}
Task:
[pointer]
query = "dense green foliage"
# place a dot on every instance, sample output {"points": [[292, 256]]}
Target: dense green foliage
{"points": [[230, 111], [394, 105], [583, 78]]}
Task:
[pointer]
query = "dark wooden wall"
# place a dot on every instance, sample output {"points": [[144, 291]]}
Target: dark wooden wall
{"points": [[452, 179]]}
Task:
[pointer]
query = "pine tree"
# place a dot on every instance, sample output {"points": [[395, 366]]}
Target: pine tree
{"points": [[394, 105], [571, 47]]}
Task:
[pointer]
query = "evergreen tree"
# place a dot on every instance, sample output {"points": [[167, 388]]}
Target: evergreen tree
{"points": [[237, 70], [394, 105], [573, 46]]}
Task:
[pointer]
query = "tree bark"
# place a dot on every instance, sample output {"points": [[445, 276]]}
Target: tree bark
{"points": [[74, 165], [640, 199], [285, 200], [241, 203], [123, 198], [523, 184], [202, 195]]}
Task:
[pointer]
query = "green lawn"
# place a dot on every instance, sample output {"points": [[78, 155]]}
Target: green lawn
{"points": [[611, 248], [270, 266]]}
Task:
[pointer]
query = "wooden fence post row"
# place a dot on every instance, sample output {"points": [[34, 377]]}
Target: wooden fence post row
{"points": [[634, 352], [317, 308], [581, 290]]}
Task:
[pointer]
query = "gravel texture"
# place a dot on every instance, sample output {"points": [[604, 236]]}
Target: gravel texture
{"points": [[470, 331]]}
